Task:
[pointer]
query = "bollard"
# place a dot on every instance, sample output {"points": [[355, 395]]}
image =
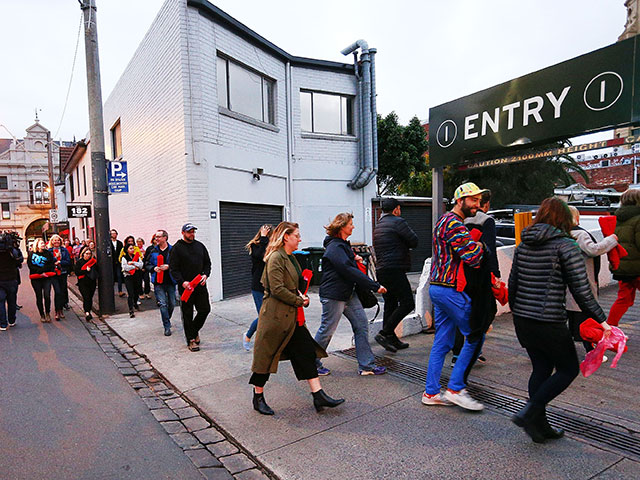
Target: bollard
{"points": [[522, 220]]}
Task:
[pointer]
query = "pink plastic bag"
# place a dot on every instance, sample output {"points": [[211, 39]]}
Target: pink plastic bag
{"points": [[616, 341]]}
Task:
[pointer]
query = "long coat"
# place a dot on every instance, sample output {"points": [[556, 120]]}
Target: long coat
{"points": [[277, 319]]}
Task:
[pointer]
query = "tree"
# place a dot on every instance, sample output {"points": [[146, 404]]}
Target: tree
{"points": [[401, 161], [526, 183]]}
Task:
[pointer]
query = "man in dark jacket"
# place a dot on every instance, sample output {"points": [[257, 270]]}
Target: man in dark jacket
{"points": [[10, 259], [116, 248], [392, 239], [190, 258]]}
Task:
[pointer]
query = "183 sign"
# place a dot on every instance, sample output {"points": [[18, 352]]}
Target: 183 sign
{"points": [[79, 211]]}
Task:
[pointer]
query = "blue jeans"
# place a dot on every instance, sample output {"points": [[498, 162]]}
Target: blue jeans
{"points": [[332, 310], [8, 296], [451, 310], [257, 299], [166, 297]]}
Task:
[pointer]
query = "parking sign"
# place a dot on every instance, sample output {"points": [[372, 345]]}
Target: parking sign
{"points": [[117, 177]]}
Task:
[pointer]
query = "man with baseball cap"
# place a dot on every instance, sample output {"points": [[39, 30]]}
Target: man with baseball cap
{"points": [[452, 246], [190, 258]]}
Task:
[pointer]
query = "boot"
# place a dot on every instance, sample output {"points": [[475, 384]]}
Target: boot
{"points": [[321, 400], [547, 430], [260, 405], [529, 419], [399, 344]]}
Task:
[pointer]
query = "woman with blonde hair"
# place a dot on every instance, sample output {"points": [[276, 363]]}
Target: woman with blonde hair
{"points": [[281, 334], [257, 248], [41, 269], [62, 261], [340, 275]]}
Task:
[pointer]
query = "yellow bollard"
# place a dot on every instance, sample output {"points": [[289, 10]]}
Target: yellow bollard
{"points": [[522, 220]]}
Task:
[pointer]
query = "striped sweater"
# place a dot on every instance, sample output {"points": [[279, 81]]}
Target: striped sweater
{"points": [[452, 242]]}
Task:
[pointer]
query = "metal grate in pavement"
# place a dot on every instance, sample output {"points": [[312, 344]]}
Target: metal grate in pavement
{"points": [[581, 427]]}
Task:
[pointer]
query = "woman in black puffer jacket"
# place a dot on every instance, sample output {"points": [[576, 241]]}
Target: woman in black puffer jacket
{"points": [[544, 264]]}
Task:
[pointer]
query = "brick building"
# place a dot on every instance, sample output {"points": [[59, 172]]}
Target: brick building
{"points": [[615, 169], [222, 128]]}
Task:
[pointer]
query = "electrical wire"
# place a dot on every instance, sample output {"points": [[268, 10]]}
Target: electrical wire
{"points": [[73, 67]]}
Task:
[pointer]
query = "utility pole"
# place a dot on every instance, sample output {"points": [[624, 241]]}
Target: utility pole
{"points": [[52, 188], [98, 163]]}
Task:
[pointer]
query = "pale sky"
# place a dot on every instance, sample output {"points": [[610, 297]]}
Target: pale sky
{"points": [[429, 51]]}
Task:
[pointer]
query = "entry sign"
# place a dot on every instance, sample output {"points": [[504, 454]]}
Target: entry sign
{"points": [[79, 211], [118, 178], [589, 93]]}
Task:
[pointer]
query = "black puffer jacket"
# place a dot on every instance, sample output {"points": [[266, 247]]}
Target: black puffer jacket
{"points": [[543, 265], [340, 272], [392, 239]]}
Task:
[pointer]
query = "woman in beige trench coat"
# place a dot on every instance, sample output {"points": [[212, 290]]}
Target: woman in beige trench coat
{"points": [[279, 336]]}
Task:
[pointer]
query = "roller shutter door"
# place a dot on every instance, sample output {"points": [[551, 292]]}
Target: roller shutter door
{"points": [[419, 219], [239, 222]]}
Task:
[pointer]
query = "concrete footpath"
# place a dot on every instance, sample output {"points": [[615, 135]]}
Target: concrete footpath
{"points": [[382, 430]]}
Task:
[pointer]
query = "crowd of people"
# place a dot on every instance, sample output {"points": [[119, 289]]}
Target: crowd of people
{"points": [[552, 289]]}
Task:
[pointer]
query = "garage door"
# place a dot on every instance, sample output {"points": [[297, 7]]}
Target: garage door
{"points": [[239, 222], [419, 219]]}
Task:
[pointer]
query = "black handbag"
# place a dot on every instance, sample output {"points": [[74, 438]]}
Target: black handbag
{"points": [[368, 300]]}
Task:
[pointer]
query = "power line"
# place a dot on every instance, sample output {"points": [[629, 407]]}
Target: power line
{"points": [[73, 67]]}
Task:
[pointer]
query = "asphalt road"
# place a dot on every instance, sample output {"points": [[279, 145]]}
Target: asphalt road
{"points": [[66, 412]]}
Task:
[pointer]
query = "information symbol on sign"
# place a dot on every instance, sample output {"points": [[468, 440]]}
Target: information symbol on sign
{"points": [[447, 133], [603, 91]]}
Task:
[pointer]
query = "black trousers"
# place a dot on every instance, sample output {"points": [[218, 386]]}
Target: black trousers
{"points": [[550, 347], [42, 289], [131, 282], [301, 350], [87, 289], [146, 283], [200, 300], [398, 301], [60, 291]]}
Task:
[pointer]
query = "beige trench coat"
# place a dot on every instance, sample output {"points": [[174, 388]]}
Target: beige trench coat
{"points": [[277, 319]]}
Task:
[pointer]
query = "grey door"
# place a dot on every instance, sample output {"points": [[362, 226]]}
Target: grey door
{"points": [[419, 219], [239, 222]]}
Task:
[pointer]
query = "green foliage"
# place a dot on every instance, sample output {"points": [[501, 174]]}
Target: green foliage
{"points": [[401, 161]]}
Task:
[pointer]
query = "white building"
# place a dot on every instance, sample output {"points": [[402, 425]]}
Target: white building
{"points": [[221, 128], [78, 186]]}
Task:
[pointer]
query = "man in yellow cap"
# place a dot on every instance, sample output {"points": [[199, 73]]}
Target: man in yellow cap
{"points": [[452, 246]]}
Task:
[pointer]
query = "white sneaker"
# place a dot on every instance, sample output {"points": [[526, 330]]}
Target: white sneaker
{"points": [[605, 359], [463, 399], [436, 399]]}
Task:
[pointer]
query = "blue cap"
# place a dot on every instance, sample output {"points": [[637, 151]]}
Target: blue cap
{"points": [[188, 227]]}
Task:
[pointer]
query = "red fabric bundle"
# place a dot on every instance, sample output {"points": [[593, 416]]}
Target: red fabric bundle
{"points": [[189, 290], [306, 275], [89, 264], [616, 341], [160, 274], [592, 331], [608, 227], [501, 292], [35, 276], [136, 257], [461, 279]]}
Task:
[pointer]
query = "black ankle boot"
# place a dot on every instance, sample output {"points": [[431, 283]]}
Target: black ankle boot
{"points": [[260, 405], [547, 430], [529, 419], [321, 400]]}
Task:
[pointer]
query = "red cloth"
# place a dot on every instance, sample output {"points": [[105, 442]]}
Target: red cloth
{"points": [[189, 290], [626, 298], [160, 274], [35, 276], [592, 331], [461, 279], [608, 227], [90, 263], [501, 292], [616, 342], [306, 275]]}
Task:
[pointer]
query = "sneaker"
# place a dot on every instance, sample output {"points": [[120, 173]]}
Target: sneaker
{"points": [[12, 324], [454, 359], [246, 343], [435, 399], [323, 372], [167, 332], [2, 329], [481, 359], [385, 342], [605, 359], [462, 399], [375, 371], [131, 314]]}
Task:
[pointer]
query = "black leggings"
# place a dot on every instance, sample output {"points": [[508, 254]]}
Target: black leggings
{"points": [[301, 350], [131, 282], [42, 288], [550, 346], [87, 289]]}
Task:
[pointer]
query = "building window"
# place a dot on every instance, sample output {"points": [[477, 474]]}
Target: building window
{"points": [[84, 179], [78, 180], [116, 142], [326, 113], [38, 193], [4, 183], [6, 212], [72, 191], [245, 91]]}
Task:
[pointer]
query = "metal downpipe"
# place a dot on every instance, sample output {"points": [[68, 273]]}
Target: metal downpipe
{"points": [[374, 118]]}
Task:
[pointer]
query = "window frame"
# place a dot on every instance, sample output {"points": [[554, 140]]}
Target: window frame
{"points": [[8, 210], [84, 179], [116, 142], [72, 191], [345, 133], [4, 179], [268, 99], [33, 189]]}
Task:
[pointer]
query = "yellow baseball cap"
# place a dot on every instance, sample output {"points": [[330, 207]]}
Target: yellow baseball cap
{"points": [[468, 189]]}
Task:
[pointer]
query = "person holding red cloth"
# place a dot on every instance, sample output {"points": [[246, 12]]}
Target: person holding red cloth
{"points": [[41, 262], [164, 286], [86, 270], [190, 258]]}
